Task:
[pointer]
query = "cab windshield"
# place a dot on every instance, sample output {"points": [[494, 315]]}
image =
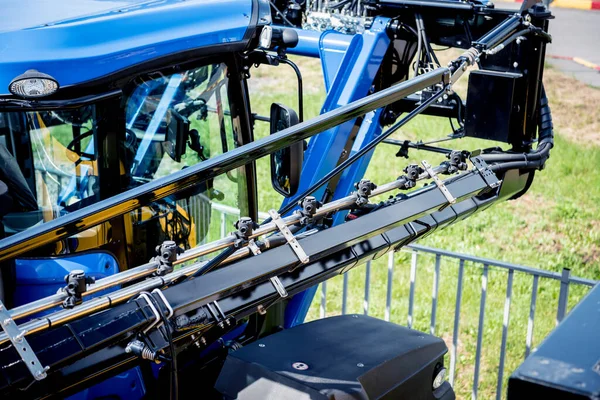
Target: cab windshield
{"points": [[170, 122]]}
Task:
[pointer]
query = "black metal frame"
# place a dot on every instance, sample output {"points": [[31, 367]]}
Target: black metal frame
{"points": [[91, 348], [242, 286], [104, 210]]}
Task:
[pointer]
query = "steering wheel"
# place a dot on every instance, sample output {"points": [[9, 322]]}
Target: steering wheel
{"points": [[78, 139]]}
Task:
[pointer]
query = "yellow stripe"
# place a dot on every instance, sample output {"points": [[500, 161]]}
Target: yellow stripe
{"points": [[585, 63], [580, 4]]}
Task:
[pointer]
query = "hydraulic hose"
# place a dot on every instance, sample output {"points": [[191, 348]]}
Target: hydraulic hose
{"points": [[537, 158]]}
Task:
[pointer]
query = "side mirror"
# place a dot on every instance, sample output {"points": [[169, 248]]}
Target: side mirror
{"points": [[178, 130], [286, 164]]}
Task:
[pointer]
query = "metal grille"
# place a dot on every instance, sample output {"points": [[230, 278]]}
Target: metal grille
{"points": [[465, 265]]}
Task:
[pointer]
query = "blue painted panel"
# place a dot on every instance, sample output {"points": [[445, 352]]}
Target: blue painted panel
{"points": [[353, 80], [329, 46], [97, 37], [41, 277]]}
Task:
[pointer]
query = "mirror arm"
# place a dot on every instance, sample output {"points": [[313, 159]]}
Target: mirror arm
{"points": [[300, 95]]}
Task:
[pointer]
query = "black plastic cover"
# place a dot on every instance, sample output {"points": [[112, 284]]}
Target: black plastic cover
{"points": [[344, 357], [494, 110], [567, 364]]}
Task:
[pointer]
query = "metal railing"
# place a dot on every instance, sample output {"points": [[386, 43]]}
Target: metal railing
{"points": [[564, 279]]}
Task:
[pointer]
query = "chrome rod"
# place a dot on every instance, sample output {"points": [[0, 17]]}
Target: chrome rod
{"points": [[148, 269], [101, 303]]}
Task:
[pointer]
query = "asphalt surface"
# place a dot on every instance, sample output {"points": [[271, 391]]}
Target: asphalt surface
{"points": [[575, 33]]}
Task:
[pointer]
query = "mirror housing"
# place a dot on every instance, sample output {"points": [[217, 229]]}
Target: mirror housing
{"points": [[178, 130], [286, 164]]}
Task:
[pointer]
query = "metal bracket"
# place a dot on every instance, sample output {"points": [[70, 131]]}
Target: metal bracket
{"points": [[278, 285], [451, 199], [17, 337], [146, 297], [253, 247], [487, 174], [218, 314], [160, 294], [289, 236]]}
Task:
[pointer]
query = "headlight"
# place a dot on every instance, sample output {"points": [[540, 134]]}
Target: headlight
{"points": [[33, 84], [265, 37], [439, 378]]}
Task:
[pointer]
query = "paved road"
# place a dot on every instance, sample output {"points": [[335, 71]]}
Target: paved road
{"points": [[575, 33]]}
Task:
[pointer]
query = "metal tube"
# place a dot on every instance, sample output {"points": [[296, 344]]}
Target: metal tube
{"points": [[480, 332], [147, 269], [367, 284], [413, 279], [388, 299], [521, 268], [505, 322], [531, 321], [345, 294], [434, 293], [223, 225], [500, 32], [104, 283], [563, 297], [323, 310], [364, 150], [130, 200], [453, 352]]}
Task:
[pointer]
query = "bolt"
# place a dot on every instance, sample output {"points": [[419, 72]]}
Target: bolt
{"points": [[261, 345], [20, 336], [360, 365], [515, 64]]}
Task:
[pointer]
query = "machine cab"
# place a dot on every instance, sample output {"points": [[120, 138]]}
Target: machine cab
{"points": [[99, 125]]}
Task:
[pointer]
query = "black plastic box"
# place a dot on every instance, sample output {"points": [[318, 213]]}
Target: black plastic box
{"points": [[347, 357], [494, 109]]}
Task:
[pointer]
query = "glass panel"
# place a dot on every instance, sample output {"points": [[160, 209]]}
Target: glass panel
{"points": [[173, 122], [64, 157]]}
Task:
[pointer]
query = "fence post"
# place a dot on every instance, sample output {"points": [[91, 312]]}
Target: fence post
{"points": [[531, 321], [453, 352], [505, 322], [411, 297], [345, 293], [223, 225], [367, 284], [434, 293], [563, 297], [388, 300], [480, 331], [323, 299]]}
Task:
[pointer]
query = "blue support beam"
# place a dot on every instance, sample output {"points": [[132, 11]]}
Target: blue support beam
{"points": [[347, 78]]}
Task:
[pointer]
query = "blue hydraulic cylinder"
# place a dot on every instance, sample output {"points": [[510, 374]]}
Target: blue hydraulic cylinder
{"points": [[348, 77]]}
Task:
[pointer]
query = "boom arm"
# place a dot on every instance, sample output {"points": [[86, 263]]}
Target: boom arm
{"points": [[171, 314]]}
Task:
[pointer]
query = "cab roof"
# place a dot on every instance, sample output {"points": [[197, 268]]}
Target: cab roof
{"points": [[77, 41]]}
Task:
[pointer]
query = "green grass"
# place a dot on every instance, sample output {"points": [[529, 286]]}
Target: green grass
{"points": [[555, 225]]}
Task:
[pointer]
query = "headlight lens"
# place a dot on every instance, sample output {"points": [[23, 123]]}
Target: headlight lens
{"points": [[33, 84], [439, 378], [266, 36]]}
